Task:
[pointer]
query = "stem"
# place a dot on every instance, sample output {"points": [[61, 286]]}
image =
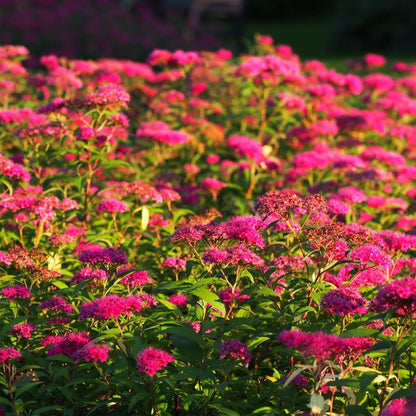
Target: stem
{"points": [[119, 234], [391, 366], [331, 403], [152, 393], [253, 181], [39, 232], [22, 241], [263, 112]]}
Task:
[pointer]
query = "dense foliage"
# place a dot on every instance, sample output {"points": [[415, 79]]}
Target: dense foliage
{"points": [[207, 235]]}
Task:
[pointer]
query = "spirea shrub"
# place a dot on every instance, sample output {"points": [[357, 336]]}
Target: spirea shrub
{"points": [[202, 234]]}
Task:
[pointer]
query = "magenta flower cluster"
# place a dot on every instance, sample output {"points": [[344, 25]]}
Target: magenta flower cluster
{"points": [[151, 360], [112, 306], [235, 349]]}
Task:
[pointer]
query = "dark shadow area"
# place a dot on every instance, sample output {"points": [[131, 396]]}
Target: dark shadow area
{"points": [[130, 29], [381, 26]]}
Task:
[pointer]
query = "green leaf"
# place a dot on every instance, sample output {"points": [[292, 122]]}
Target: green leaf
{"points": [[361, 332], [252, 343], [246, 273], [180, 213], [59, 284], [185, 332], [349, 382], [209, 297], [189, 266], [137, 398], [46, 409], [5, 401], [224, 410], [168, 304], [145, 218], [26, 387], [355, 410], [366, 381], [61, 358], [264, 411]]}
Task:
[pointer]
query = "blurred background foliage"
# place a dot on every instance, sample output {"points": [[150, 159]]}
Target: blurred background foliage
{"points": [[130, 29]]}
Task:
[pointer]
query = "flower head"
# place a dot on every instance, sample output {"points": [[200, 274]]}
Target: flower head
{"points": [[112, 205], [8, 353], [151, 360], [15, 292], [344, 301], [235, 349], [160, 131], [23, 330], [92, 352]]}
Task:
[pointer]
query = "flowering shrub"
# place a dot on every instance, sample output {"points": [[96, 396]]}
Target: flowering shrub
{"points": [[207, 235]]}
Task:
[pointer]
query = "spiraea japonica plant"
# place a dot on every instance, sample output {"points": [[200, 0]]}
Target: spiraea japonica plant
{"points": [[207, 234]]}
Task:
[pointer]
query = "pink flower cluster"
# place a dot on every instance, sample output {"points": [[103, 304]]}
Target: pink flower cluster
{"points": [[151, 360], [178, 299], [398, 294], [281, 203], [212, 183], [57, 304], [145, 192], [86, 273], [103, 255], [67, 344], [238, 254], [227, 295], [15, 292], [344, 301], [177, 263], [368, 253], [135, 278], [13, 170], [177, 58], [235, 349], [78, 346], [112, 306], [8, 353], [108, 95], [112, 205], [160, 131], [400, 407], [23, 330], [24, 203], [322, 346], [244, 229], [269, 69], [92, 352], [247, 147]]}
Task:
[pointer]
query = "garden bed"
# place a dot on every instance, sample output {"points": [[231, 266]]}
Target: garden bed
{"points": [[206, 234]]}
